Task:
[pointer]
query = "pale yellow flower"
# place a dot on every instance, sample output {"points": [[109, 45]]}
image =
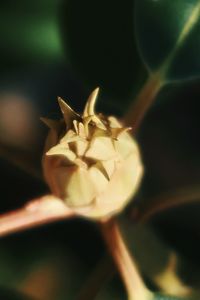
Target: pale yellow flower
{"points": [[91, 161]]}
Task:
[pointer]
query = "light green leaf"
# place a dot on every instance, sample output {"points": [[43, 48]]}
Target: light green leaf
{"points": [[168, 34], [29, 32], [164, 297]]}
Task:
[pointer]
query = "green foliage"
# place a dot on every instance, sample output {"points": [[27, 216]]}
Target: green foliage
{"points": [[158, 296], [168, 36], [29, 33]]}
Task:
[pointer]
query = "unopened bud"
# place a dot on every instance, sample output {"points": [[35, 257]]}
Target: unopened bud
{"points": [[91, 161]]}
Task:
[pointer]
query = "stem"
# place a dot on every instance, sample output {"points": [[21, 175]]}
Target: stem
{"points": [[144, 100], [38, 211], [132, 280], [163, 202]]}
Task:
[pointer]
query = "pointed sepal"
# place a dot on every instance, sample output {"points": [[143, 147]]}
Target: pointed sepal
{"points": [[90, 105], [68, 113]]}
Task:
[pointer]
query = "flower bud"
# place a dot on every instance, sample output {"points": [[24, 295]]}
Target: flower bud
{"points": [[91, 161]]}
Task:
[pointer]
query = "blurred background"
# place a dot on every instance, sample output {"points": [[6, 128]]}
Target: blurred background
{"points": [[66, 48]]}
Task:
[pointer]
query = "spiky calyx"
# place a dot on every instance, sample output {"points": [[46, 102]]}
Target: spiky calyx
{"points": [[91, 161]]}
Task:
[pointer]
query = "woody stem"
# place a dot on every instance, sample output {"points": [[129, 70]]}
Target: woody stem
{"points": [[38, 211], [126, 265], [144, 100]]}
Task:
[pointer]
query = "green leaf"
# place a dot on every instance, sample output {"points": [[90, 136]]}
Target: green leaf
{"points": [[29, 32], [158, 296], [168, 34]]}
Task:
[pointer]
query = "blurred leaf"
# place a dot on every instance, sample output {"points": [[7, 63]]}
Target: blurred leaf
{"points": [[29, 32], [148, 208], [168, 34], [26, 258], [158, 296], [99, 39], [158, 262]]}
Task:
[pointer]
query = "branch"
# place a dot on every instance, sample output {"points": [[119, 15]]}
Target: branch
{"points": [[163, 202], [38, 211], [126, 265], [143, 101]]}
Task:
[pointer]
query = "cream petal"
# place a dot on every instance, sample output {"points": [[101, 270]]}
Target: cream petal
{"points": [[109, 167], [119, 190], [116, 132], [125, 145], [99, 180], [114, 123], [70, 136], [81, 147], [101, 148], [60, 150], [71, 139], [80, 163], [80, 189], [126, 177]]}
